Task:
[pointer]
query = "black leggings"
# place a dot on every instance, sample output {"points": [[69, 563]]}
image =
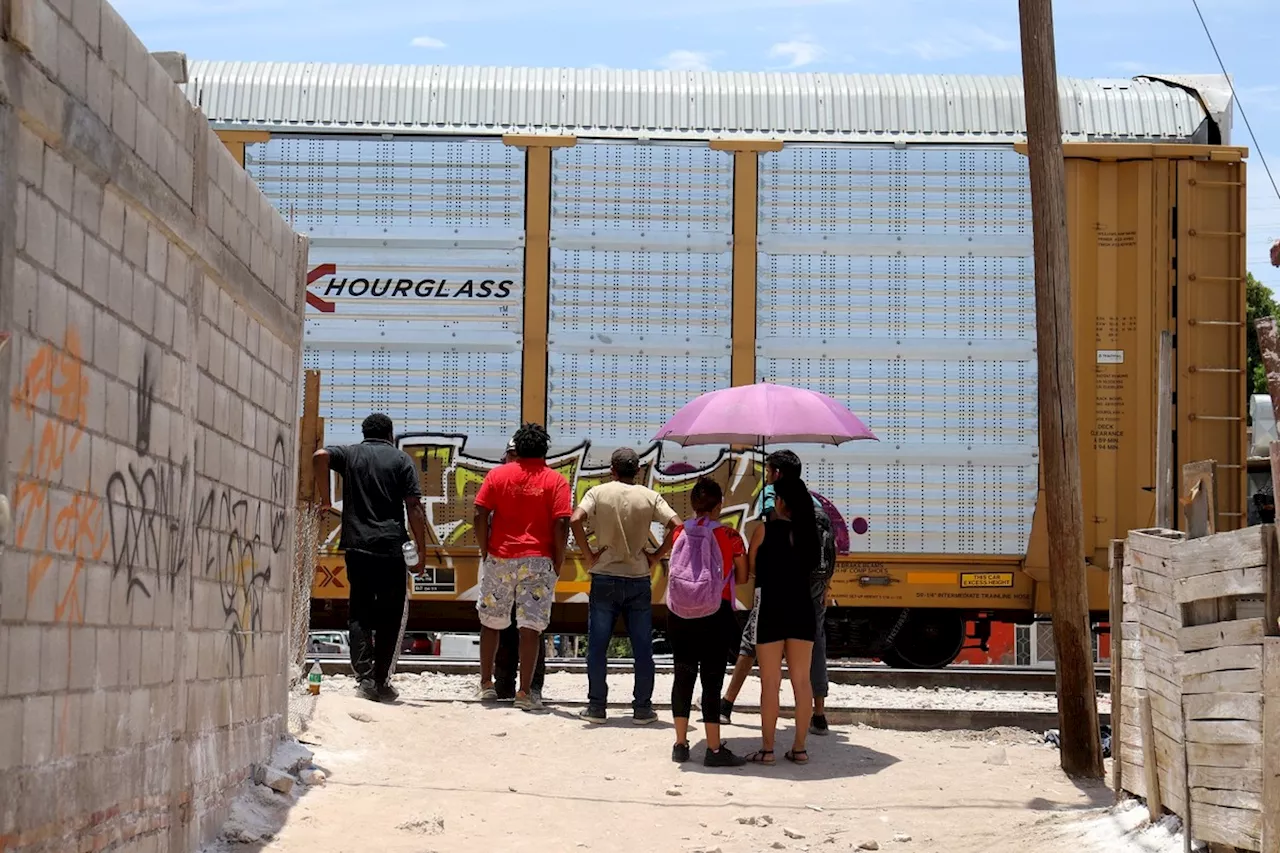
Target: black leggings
{"points": [[698, 646]]}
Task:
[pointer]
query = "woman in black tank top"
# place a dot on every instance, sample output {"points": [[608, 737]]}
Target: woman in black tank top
{"points": [[781, 555]]}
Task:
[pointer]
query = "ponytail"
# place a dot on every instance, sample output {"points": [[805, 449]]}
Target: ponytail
{"points": [[804, 521]]}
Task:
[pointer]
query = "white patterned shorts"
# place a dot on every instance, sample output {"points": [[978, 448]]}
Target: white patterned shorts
{"points": [[529, 583]]}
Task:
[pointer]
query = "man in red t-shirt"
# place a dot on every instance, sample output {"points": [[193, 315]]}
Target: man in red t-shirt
{"points": [[522, 526]]}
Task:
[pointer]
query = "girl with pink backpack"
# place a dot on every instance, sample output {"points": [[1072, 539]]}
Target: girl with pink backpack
{"points": [[707, 561]]}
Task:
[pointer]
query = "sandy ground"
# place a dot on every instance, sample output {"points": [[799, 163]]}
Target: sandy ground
{"points": [[457, 777], [572, 687]]}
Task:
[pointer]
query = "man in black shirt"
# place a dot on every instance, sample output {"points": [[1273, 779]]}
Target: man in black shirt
{"points": [[379, 486]]}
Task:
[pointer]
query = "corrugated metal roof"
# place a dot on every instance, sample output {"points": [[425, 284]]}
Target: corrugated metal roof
{"points": [[674, 104]]}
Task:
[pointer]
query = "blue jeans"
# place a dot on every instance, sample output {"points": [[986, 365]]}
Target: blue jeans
{"points": [[632, 598]]}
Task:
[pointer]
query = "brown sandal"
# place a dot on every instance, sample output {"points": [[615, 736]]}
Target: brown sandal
{"points": [[797, 756], [762, 756]]}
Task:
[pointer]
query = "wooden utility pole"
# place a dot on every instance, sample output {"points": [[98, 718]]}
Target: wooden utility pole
{"points": [[1059, 428]]}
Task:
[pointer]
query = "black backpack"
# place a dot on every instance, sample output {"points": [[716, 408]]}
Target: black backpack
{"points": [[826, 548]]}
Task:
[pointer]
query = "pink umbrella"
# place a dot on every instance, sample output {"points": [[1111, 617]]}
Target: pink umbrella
{"points": [[761, 414]]}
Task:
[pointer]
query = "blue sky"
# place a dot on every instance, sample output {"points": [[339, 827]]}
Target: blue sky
{"points": [[1096, 38]]}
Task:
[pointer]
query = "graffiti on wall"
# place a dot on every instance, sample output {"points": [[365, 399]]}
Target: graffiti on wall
{"points": [[148, 519], [450, 479], [54, 380], [162, 522]]}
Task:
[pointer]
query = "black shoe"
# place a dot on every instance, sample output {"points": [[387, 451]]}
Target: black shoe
{"points": [[591, 715], [818, 725], [369, 690], [726, 712], [644, 718], [388, 694], [722, 757], [680, 753]]}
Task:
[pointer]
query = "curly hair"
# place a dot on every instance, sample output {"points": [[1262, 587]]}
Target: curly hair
{"points": [[795, 496], [706, 495], [531, 441], [378, 426]]}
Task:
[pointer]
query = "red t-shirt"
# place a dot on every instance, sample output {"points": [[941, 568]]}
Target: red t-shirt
{"points": [[526, 497], [731, 547]]}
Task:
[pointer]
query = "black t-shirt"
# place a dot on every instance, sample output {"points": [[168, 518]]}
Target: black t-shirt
{"points": [[377, 478]]}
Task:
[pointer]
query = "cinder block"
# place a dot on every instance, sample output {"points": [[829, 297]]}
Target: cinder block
{"points": [[152, 661], [55, 651], [37, 730], [124, 112], [148, 131], [144, 304], [42, 230], [66, 725], [107, 672], [135, 237], [130, 654], [93, 723], [160, 89], [106, 343], [75, 468], [88, 202], [83, 658], [11, 717], [186, 171], [33, 25], [166, 158], [42, 582], [131, 350], [163, 328], [25, 287], [113, 221], [137, 64], [102, 457], [30, 157], [217, 354], [139, 714], [118, 415], [176, 274], [51, 309], [24, 659], [113, 29], [157, 253], [70, 261], [100, 83], [13, 580], [86, 17], [97, 270], [214, 202], [59, 180], [231, 364], [72, 61], [20, 217]]}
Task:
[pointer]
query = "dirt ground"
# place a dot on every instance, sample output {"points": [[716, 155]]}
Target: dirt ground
{"points": [[455, 777]]}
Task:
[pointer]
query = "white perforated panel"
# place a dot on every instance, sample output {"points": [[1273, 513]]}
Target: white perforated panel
{"points": [[427, 240], [641, 303], [899, 281]]}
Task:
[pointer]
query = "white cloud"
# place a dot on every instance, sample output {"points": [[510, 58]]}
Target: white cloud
{"points": [[428, 42], [687, 60], [955, 42], [798, 52]]}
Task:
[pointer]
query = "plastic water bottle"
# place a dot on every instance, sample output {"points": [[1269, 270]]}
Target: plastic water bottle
{"points": [[314, 677], [410, 551]]}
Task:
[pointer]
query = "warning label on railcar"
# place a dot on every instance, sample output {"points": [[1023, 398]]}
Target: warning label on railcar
{"points": [[986, 580], [1110, 356]]}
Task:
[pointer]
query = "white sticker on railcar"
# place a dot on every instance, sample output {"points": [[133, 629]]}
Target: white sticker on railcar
{"points": [[1110, 356]]}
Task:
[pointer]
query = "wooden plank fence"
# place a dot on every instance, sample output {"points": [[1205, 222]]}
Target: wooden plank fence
{"points": [[1198, 731]]}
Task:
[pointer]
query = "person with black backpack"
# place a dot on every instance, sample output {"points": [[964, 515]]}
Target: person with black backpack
{"points": [[780, 465]]}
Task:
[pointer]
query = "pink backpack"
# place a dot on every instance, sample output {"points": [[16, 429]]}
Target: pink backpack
{"points": [[695, 580]]}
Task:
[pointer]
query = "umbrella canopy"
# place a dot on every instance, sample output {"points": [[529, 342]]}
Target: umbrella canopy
{"points": [[764, 414]]}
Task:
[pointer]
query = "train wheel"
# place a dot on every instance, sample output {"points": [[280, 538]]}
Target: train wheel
{"points": [[929, 640]]}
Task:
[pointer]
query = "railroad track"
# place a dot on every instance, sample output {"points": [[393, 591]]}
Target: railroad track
{"points": [[1002, 678]]}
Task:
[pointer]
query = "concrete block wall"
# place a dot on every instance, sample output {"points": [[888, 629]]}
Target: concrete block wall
{"points": [[153, 300]]}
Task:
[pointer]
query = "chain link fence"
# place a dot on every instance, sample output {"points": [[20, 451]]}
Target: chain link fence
{"points": [[301, 703]]}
